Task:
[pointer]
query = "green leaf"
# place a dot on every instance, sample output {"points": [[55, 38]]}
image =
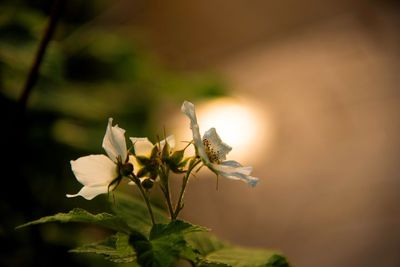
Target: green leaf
{"points": [[165, 245], [134, 212], [174, 227], [204, 243], [115, 248], [213, 252], [80, 215], [245, 257]]}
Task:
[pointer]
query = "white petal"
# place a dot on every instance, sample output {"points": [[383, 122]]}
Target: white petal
{"points": [[136, 167], [142, 146], [234, 166], [241, 173], [133, 183], [217, 144], [135, 163], [170, 140], [114, 142], [94, 170], [89, 192], [189, 110], [231, 163]]}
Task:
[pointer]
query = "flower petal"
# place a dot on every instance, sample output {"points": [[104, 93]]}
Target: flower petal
{"points": [[240, 173], [170, 140], [230, 169], [142, 146], [89, 192], [94, 170], [135, 163], [114, 142], [141, 180], [216, 144], [189, 110], [231, 165]]}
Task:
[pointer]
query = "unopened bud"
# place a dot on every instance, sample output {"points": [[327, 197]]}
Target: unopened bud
{"points": [[165, 152], [147, 183], [126, 169]]}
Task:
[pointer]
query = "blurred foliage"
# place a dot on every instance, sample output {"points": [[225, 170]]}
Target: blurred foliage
{"points": [[91, 71]]}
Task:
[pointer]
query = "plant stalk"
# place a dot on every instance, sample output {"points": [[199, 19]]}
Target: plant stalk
{"points": [[145, 197], [179, 207], [166, 191]]}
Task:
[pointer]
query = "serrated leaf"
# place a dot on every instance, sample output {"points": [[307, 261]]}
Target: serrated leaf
{"points": [[134, 212], [165, 245], [80, 215], [216, 253], [245, 257], [189, 254], [174, 227], [204, 243], [115, 248]]}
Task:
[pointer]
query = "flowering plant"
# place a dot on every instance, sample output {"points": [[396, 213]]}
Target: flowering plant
{"points": [[146, 235]]}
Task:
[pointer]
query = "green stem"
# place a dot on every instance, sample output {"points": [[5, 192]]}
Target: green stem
{"points": [[166, 191], [145, 197], [179, 205]]}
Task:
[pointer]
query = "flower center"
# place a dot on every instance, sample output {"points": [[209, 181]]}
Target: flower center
{"points": [[213, 154]]}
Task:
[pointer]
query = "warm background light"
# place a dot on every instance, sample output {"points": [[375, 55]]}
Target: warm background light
{"points": [[240, 123]]}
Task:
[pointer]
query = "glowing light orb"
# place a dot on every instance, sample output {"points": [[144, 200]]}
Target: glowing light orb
{"points": [[241, 124]]}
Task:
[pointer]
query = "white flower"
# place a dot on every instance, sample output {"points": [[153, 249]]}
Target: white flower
{"points": [[212, 151], [143, 149], [97, 173]]}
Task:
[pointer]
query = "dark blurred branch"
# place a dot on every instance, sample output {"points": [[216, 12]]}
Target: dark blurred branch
{"points": [[33, 73]]}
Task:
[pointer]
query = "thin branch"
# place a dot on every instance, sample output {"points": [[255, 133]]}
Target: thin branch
{"points": [[33, 73], [166, 191], [144, 195]]}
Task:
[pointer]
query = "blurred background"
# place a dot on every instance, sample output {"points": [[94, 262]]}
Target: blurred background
{"points": [[306, 92]]}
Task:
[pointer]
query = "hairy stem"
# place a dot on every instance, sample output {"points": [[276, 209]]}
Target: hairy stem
{"points": [[166, 191], [179, 205], [145, 197], [33, 73]]}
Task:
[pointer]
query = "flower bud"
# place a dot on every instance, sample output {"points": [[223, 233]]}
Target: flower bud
{"points": [[153, 175], [154, 153], [126, 169], [177, 156], [147, 183], [165, 152], [143, 160], [142, 172]]}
